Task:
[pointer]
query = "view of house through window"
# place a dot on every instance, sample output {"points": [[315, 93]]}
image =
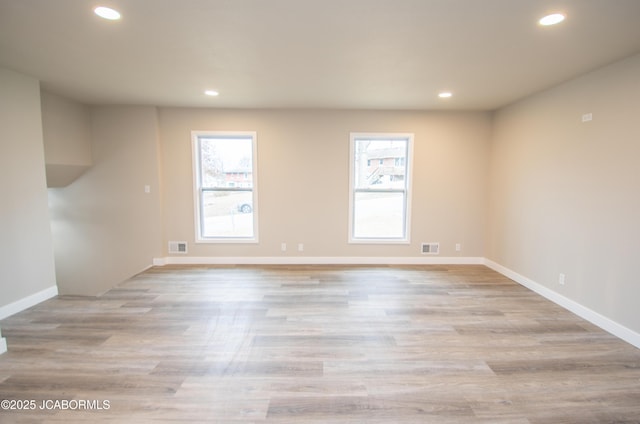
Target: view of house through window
{"points": [[225, 186], [380, 187]]}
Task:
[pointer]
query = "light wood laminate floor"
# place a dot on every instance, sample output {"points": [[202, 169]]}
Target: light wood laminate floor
{"points": [[316, 344]]}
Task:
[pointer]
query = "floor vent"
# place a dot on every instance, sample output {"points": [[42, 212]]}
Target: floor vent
{"points": [[430, 248], [177, 247]]}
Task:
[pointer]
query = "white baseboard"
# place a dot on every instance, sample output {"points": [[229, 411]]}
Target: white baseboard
{"points": [[317, 260], [160, 261], [3, 343], [593, 317], [27, 302]]}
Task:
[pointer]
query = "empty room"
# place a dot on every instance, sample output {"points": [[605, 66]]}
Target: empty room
{"points": [[296, 211]]}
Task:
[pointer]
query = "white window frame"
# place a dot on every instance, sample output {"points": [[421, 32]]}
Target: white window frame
{"points": [[406, 238], [198, 189]]}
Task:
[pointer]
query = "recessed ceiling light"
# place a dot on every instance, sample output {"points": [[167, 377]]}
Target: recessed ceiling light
{"points": [[554, 18], [211, 93], [445, 94], [107, 13]]}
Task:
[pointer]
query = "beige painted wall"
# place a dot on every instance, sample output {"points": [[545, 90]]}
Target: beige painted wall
{"points": [[303, 171], [67, 139], [26, 251], [565, 195], [105, 227]]}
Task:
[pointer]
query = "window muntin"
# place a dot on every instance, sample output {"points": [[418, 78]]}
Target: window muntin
{"points": [[380, 192], [225, 186]]}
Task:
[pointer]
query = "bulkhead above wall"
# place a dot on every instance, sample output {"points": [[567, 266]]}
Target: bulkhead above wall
{"points": [[66, 131]]}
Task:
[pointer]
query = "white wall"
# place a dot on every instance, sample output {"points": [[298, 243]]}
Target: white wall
{"points": [[105, 227], [303, 178], [565, 195], [26, 253]]}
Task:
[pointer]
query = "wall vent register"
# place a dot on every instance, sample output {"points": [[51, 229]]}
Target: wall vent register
{"points": [[177, 247], [430, 248]]}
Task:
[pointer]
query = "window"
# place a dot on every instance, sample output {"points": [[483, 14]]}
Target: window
{"points": [[380, 188], [225, 186]]}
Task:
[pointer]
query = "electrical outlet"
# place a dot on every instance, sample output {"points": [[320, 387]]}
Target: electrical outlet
{"points": [[561, 279], [283, 247], [587, 117], [458, 247], [300, 247]]}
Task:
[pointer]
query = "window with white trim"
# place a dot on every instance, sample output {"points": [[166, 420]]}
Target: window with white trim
{"points": [[380, 188], [225, 186]]}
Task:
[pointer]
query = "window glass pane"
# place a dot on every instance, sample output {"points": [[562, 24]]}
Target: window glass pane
{"points": [[226, 162], [227, 214], [380, 164], [378, 215], [225, 187]]}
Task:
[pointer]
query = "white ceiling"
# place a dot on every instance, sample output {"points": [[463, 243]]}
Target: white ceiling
{"points": [[371, 54]]}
